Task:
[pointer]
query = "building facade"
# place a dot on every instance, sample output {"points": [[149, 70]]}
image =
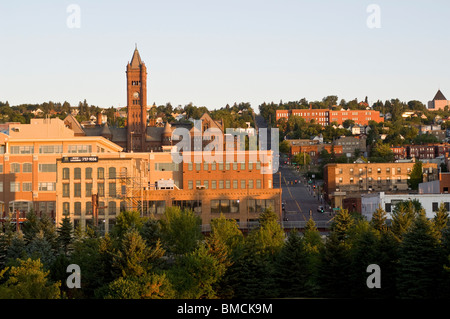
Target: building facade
{"points": [[151, 182], [327, 116], [28, 154], [347, 180]]}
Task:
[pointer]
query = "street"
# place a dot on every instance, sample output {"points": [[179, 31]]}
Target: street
{"points": [[300, 199]]}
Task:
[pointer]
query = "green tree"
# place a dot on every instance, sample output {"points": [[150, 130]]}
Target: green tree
{"points": [[149, 286], [65, 237], [402, 218], [27, 280], [420, 261], [342, 223], [378, 221], [180, 229], [440, 221], [126, 221], [416, 176]]}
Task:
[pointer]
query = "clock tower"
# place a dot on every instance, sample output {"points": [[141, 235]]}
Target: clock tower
{"points": [[136, 103]]}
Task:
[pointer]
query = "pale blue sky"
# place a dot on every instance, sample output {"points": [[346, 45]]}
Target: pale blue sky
{"points": [[212, 53]]}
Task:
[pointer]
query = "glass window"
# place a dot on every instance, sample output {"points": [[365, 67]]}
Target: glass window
{"points": [[15, 168], [250, 183], [66, 173], [101, 189], [88, 189], [227, 184], [77, 208], [88, 173], [46, 186], [206, 184], [213, 184], [112, 172], [258, 183], [220, 184], [242, 183], [66, 208], [27, 167], [47, 168], [77, 173], [190, 184], [66, 190], [77, 189], [101, 173], [112, 208], [27, 187], [235, 184], [112, 189]]}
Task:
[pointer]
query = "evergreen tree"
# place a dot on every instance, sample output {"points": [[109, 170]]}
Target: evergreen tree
{"points": [[416, 176], [402, 218], [40, 248], [378, 221], [440, 220], [292, 269], [420, 261], [65, 237], [342, 223]]}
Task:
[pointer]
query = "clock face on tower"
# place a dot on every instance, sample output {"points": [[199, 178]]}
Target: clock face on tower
{"points": [[136, 95]]}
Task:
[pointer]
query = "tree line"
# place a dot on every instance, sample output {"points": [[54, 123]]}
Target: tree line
{"points": [[171, 258]]}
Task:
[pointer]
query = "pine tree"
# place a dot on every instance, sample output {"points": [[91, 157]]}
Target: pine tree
{"points": [[292, 269], [440, 220], [378, 221], [65, 237], [342, 223], [420, 261]]}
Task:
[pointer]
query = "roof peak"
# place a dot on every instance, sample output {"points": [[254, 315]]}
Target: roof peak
{"points": [[136, 59], [439, 96]]}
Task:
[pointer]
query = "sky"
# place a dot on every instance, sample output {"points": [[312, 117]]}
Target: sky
{"points": [[212, 53]]}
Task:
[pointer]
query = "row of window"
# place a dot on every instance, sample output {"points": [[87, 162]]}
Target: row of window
{"points": [[50, 149], [112, 172], [28, 168], [388, 180], [112, 190], [77, 208], [15, 187], [227, 184], [220, 166], [369, 170]]}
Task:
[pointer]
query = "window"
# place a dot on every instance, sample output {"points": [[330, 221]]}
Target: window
{"points": [[435, 206], [242, 165], [227, 166], [213, 166], [77, 189], [65, 173], [101, 189], [50, 149], [112, 172], [46, 186], [220, 184], [205, 166], [258, 183], [47, 168], [250, 165], [235, 166], [15, 168], [224, 206], [190, 184], [1, 186], [213, 184], [88, 173], [235, 184], [399, 170], [88, 208], [1, 168], [77, 208], [250, 183], [77, 173], [14, 187], [27, 167], [190, 166], [227, 184], [66, 208], [197, 184], [79, 148], [100, 173], [27, 187], [198, 166], [112, 208], [66, 190], [258, 165], [22, 150], [220, 166], [206, 184], [88, 189], [242, 183]]}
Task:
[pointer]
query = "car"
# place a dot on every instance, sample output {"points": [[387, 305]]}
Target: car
{"points": [[320, 209]]}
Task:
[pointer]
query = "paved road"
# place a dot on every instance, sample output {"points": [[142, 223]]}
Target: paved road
{"points": [[300, 199]]}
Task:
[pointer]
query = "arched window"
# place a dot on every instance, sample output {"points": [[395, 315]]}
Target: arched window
{"points": [[112, 172]]}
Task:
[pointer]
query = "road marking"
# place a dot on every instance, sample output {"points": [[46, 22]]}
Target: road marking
{"points": [[299, 208]]}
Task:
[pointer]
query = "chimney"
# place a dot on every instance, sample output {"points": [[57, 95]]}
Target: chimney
{"points": [[99, 118]]}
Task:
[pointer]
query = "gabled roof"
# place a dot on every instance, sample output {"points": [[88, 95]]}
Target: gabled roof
{"points": [[439, 96]]}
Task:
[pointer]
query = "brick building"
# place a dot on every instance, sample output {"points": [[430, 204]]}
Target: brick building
{"points": [[150, 182], [28, 154], [350, 180], [439, 102], [327, 116]]}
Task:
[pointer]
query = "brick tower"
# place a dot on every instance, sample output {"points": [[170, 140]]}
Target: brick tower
{"points": [[136, 103]]}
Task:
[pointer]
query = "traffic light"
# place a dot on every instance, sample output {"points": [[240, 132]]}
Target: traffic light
{"points": [[321, 210], [314, 186]]}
